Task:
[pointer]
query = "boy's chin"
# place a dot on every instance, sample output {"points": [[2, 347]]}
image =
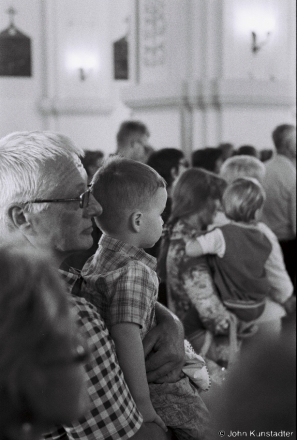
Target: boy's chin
{"points": [[149, 245]]}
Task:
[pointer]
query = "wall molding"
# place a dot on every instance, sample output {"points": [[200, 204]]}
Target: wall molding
{"points": [[157, 94], [218, 93], [75, 106]]}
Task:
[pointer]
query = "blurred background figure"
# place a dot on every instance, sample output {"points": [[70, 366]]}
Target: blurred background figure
{"points": [[170, 163], [227, 150], [132, 141], [279, 211], [148, 150], [42, 378], [242, 166], [210, 159], [247, 150], [260, 394], [266, 154], [92, 161]]}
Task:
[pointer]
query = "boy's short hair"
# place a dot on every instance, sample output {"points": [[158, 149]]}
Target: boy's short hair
{"points": [[122, 185], [242, 198]]}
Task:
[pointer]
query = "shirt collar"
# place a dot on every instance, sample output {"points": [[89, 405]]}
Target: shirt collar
{"points": [[70, 276], [139, 254]]}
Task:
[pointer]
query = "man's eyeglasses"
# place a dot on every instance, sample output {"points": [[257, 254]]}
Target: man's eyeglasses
{"points": [[83, 199]]}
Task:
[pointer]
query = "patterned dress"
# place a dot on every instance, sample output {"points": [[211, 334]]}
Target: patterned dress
{"points": [[189, 281]]}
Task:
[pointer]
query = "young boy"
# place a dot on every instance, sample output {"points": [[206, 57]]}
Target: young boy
{"points": [[245, 258], [123, 284]]}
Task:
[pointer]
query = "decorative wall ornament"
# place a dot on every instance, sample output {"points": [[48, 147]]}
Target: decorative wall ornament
{"points": [[154, 27], [15, 50], [120, 58]]}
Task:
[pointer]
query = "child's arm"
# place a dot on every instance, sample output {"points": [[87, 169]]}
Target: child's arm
{"points": [[130, 354], [211, 243]]}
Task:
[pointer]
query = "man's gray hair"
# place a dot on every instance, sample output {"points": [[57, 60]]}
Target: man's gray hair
{"points": [[242, 166], [24, 157]]}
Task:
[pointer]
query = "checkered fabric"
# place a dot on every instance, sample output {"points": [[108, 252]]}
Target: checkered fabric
{"points": [[121, 281], [113, 414]]}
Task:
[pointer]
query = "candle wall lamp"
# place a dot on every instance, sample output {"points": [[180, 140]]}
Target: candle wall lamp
{"points": [[256, 43], [85, 64], [258, 23]]}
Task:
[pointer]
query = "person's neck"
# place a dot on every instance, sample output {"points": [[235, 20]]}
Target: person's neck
{"points": [[126, 237], [290, 157]]}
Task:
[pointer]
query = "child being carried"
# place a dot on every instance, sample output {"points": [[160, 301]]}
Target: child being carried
{"points": [[244, 256], [122, 283]]}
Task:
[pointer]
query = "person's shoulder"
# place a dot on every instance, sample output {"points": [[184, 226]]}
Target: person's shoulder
{"points": [[85, 309], [266, 231]]}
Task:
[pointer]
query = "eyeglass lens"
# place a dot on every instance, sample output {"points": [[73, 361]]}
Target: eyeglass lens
{"points": [[84, 199]]}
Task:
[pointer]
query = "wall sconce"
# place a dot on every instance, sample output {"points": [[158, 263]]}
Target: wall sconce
{"points": [[256, 44], [259, 23], [84, 64]]}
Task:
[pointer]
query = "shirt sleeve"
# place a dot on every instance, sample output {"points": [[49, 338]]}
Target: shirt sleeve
{"points": [[132, 294], [213, 243], [113, 413], [279, 280]]}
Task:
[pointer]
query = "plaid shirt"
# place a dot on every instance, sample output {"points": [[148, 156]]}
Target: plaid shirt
{"points": [[121, 281], [113, 414]]}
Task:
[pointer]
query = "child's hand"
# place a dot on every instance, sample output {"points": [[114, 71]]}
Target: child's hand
{"points": [[193, 248], [152, 417], [222, 326], [290, 304]]}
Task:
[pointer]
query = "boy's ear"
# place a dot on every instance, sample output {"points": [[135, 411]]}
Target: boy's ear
{"points": [[136, 221]]}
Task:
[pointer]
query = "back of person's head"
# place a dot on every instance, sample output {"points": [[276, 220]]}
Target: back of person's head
{"points": [[25, 158], [196, 190], [121, 186], [266, 154], [38, 345], [166, 162], [242, 199], [91, 161], [242, 166], [209, 159], [128, 129], [284, 138], [227, 149], [247, 150]]}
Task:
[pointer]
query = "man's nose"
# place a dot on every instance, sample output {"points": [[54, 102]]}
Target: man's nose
{"points": [[94, 209]]}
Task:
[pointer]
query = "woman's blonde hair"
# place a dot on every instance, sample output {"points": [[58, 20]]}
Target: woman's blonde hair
{"points": [[242, 198]]}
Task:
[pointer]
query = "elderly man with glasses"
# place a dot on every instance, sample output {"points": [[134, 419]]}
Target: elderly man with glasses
{"points": [[45, 202]]}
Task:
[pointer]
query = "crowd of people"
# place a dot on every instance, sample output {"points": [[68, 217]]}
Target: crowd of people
{"points": [[142, 294]]}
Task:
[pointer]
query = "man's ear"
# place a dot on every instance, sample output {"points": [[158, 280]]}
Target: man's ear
{"points": [[19, 219], [136, 221]]}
